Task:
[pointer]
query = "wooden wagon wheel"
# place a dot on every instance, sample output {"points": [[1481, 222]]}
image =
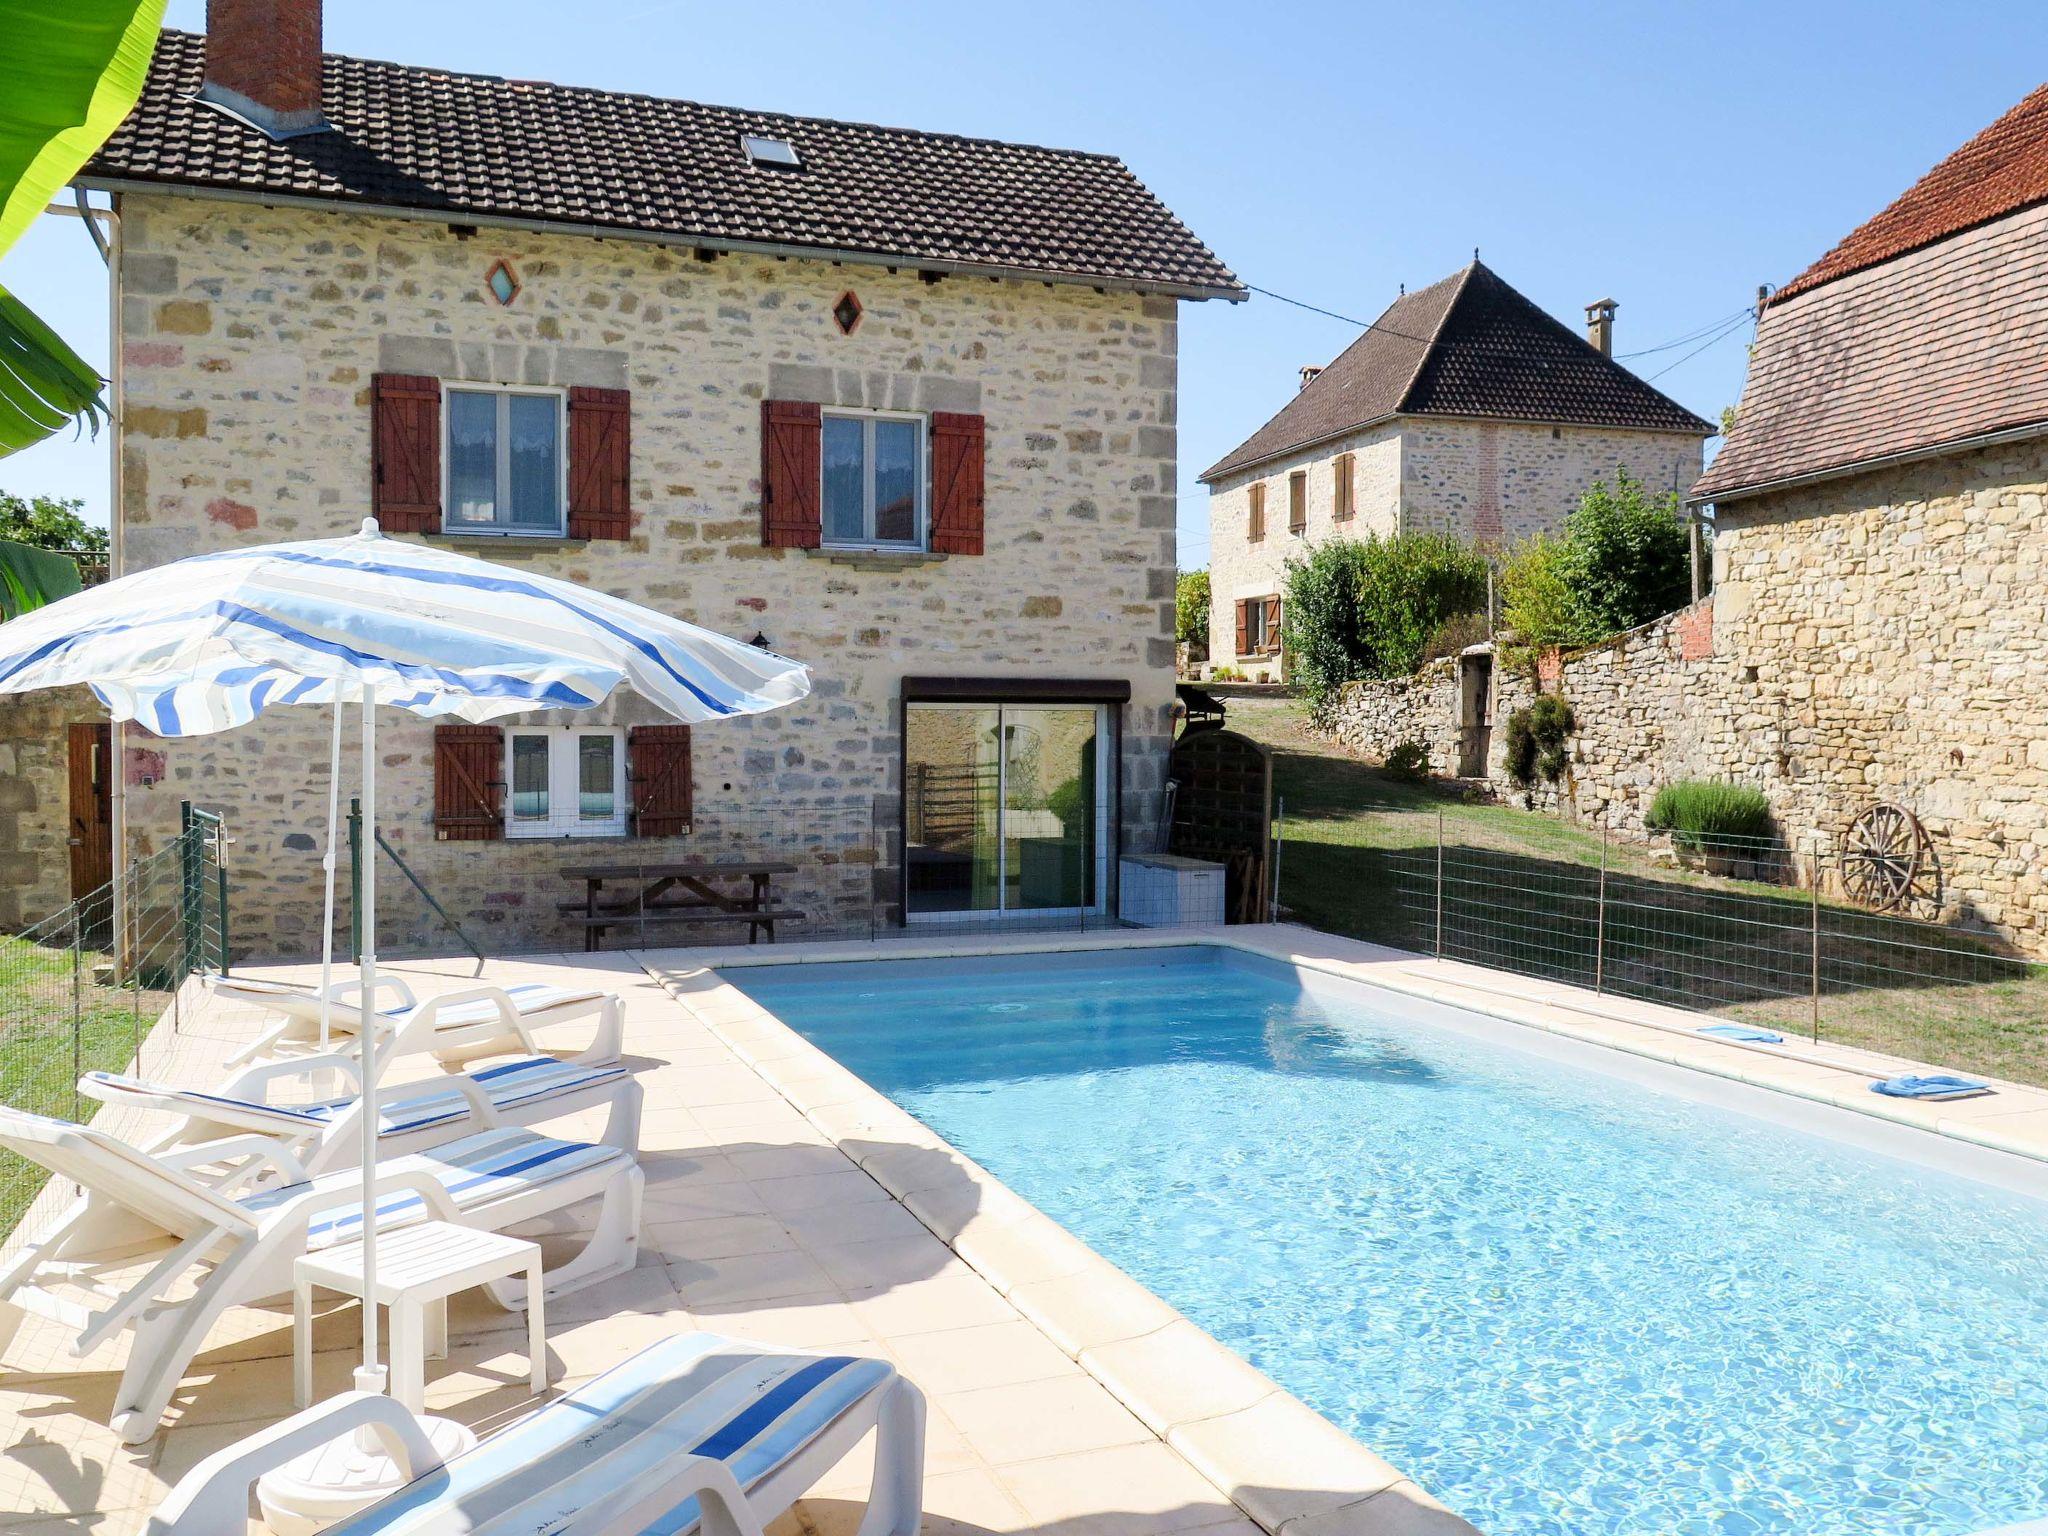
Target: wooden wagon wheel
{"points": [[1888, 860]]}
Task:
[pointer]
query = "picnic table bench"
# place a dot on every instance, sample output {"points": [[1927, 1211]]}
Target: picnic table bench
{"points": [[685, 892]]}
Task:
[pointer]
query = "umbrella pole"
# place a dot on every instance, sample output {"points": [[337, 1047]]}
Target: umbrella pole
{"points": [[371, 1377], [327, 863]]}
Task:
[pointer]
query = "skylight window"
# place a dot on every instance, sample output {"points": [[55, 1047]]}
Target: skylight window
{"points": [[762, 150]]}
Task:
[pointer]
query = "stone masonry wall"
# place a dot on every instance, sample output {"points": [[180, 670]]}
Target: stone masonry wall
{"points": [[1880, 638], [250, 337], [35, 802], [1376, 716]]}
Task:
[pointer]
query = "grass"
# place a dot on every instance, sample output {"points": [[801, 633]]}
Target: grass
{"points": [[1521, 892], [41, 1055]]}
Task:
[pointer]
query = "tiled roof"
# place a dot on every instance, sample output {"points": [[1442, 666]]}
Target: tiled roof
{"points": [[415, 138], [2001, 170], [1468, 346], [1935, 346]]}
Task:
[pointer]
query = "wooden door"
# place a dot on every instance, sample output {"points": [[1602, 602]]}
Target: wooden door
{"points": [[92, 806]]}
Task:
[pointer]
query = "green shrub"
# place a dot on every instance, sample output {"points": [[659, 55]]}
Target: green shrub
{"points": [[1191, 610], [1700, 812], [1368, 608], [1538, 740], [1408, 760], [1455, 634]]}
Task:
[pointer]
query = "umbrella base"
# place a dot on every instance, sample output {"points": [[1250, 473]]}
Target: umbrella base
{"points": [[313, 1491]]}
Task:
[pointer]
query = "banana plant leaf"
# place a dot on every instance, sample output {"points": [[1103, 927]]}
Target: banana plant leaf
{"points": [[31, 577], [70, 71]]}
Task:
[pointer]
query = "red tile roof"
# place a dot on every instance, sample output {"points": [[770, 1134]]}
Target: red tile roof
{"points": [[1927, 327], [435, 141], [1467, 346], [2001, 170]]}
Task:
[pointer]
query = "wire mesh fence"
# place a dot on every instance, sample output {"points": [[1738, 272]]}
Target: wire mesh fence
{"points": [[1747, 930], [81, 989]]}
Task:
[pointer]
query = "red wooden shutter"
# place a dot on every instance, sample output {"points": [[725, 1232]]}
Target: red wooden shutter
{"points": [[957, 454], [600, 463], [658, 779], [1244, 624], [1273, 625], [469, 783], [405, 481], [792, 438]]}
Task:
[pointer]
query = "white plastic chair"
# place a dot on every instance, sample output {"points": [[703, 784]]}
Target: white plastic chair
{"points": [[696, 1433], [467, 1022], [164, 1243]]}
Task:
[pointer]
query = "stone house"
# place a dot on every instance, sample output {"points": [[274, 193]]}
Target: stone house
{"points": [[1880, 549], [1464, 409], [871, 396]]}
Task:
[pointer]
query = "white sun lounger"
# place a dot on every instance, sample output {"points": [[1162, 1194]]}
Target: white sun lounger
{"points": [[165, 1244], [464, 1023], [326, 1134], [696, 1433]]}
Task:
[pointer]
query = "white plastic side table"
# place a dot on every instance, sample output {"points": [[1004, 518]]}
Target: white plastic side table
{"points": [[418, 1269]]}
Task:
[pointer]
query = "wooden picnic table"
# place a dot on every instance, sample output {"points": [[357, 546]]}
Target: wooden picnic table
{"points": [[681, 892]]}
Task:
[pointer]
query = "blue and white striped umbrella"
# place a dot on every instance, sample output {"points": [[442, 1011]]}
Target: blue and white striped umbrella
{"points": [[209, 643]]}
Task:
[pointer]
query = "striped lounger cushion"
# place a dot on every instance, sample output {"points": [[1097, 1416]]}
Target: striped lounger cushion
{"points": [[528, 997], [509, 1085], [747, 1405], [475, 1171]]}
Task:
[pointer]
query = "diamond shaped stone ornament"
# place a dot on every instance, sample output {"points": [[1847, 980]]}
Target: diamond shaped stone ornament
{"points": [[847, 312], [503, 282]]}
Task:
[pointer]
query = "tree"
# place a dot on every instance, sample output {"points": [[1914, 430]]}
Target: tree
{"points": [[1191, 610], [1626, 556], [1368, 608], [49, 522]]}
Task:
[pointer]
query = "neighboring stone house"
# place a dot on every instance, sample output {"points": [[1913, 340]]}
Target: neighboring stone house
{"points": [[901, 405], [1464, 409], [1881, 552]]}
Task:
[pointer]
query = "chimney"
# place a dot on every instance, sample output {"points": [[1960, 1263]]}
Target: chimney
{"points": [[1309, 372], [263, 63], [1600, 325]]}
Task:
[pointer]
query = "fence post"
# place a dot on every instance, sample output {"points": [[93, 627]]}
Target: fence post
{"points": [[1813, 890], [1600, 920], [220, 889], [1439, 883], [1279, 848], [77, 1004], [189, 893]]}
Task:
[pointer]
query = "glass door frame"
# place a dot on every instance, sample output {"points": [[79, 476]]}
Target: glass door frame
{"points": [[1106, 698]]}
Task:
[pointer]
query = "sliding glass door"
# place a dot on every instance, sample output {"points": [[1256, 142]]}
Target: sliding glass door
{"points": [[1006, 808]]}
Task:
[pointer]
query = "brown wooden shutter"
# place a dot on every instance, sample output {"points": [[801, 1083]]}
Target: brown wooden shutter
{"points": [[1273, 626], [405, 477], [1297, 501], [658, 779], [957, 453], [1244, 624], [469, 783], [600, 463], [792, 438], [1256, 528]]}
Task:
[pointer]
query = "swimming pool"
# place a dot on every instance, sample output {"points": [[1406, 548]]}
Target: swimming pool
{"points": [[1561, 1299]]}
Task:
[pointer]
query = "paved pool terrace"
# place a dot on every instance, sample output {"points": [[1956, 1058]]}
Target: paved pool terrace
{"points": [[789, 1202]]}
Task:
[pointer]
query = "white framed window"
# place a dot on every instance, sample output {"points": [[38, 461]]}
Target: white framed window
{"points": [[504, 460], [565, 781], [872, 468]]}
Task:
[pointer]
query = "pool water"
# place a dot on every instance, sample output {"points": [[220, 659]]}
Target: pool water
{"points": [[1560, 1300]]}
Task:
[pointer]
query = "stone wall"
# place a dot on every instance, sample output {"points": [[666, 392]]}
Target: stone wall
{"points": [[35, 801], [1480, 481], [1878, 638], [250, 336], [1376, 716]]}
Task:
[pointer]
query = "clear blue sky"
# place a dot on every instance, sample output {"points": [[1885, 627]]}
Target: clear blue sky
{"points": [[1673, 156]]}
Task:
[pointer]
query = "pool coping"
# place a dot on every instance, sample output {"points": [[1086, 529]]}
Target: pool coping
{"points": [[1291, 1470]]}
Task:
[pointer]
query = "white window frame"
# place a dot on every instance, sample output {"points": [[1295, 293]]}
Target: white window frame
{"points": [[920, 480], [450, 523], [563, 819], [1255, 626]]}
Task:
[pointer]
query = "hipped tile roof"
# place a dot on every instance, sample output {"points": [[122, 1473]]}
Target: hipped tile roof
{"points": [[1467, 346], [1927, 327], [426, 139]]}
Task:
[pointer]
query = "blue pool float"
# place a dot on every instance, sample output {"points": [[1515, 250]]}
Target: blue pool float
{"points": [[1932, 1086], [1748, 1033]]}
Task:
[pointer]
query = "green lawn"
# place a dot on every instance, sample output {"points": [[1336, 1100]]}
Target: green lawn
{"points": [[1521, 892], [42, 996]]}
